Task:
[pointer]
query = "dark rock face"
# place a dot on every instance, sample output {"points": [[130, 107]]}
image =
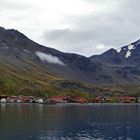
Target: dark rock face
{"points": [[109, 57], [113, 66]]}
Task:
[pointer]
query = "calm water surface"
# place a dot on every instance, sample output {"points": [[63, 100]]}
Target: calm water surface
{"points": [[69, 122]]}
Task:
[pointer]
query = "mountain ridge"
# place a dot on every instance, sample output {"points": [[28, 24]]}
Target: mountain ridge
{"points": [[39, 68]]}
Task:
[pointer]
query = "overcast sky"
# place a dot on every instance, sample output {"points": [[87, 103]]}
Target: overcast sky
{"points": [[86, 27]]}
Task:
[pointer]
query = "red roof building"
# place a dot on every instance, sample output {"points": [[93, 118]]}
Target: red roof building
{"points": [[26, 98], [128, 99], [58, 99], [77, 100], [99, 99]]}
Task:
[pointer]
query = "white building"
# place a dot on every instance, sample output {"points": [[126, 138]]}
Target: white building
{"points": [[40, 101], [3, 100]]}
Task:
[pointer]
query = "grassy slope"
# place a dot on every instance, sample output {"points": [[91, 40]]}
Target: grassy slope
{"points": [[37, 81], [22, 76]]}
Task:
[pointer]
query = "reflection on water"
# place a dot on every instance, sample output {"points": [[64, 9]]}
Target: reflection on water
{"points": [[69, 122]]}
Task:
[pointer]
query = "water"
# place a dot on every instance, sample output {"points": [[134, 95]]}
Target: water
{"points": [[69, 122]]}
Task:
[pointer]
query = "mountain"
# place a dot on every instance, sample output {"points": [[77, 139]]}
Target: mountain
{"points": [[28, 67], [16, 48], [131, 53], [127, 55], [124, 61], [109, 57]]}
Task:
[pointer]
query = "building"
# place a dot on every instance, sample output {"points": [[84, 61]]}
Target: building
{"points": [[58, 99], [77, 100], [3, 97], [128, 99], [99, 99], [12, 99], [26, 99], [39, 100], [3, 100]]}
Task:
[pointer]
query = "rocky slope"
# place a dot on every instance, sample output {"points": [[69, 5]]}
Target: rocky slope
{"points": [[16, 48], [28, 66]]}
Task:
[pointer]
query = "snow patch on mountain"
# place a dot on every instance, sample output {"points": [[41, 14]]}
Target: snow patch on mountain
{"points": [[138, 43], [49, 58], [119, 50], [130, 48]]}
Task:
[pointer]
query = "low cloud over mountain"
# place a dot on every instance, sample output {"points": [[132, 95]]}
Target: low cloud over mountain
{"points": [[49, 58]]}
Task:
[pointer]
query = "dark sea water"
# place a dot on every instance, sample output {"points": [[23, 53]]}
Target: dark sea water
{"points": [[69, 122]]}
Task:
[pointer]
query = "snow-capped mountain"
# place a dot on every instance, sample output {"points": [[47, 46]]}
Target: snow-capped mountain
{"points": [[131, 52], [127, 55], [124, 62]]}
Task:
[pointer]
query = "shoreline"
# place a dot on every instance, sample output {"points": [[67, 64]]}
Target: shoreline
{"points": [[71, 104]]}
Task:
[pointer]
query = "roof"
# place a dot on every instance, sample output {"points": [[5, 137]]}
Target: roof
{"points": [[58, 97], [127, 98]]}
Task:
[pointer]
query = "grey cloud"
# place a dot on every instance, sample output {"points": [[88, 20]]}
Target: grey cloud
{"points": [[12, 5], [78, 41], [107, 28]]}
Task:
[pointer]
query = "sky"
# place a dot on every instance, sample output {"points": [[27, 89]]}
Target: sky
{"points": [[86, 27]]}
